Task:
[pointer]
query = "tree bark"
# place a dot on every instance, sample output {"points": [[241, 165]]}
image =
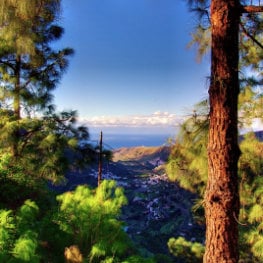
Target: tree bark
{"points": [[17, 104], [252, 9], [17, 88], [221, 196], [100, 160]]}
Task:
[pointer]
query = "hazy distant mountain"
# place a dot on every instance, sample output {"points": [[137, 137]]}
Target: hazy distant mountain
{"points": [[142, 153]]}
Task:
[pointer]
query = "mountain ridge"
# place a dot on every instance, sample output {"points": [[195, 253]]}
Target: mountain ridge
{"points": [[141, 153]]}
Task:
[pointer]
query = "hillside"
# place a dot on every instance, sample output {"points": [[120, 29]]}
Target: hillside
{"points": [[141, 154], [157, 208]]}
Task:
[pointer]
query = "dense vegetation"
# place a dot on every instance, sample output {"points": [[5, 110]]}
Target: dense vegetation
{"points": [[187, 166], [39, 145]]}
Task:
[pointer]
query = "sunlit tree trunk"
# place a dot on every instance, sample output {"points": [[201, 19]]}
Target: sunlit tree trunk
{"points": [[222, 197]]}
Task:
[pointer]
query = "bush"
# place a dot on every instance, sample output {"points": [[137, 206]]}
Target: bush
{"points": [[191, 252]]}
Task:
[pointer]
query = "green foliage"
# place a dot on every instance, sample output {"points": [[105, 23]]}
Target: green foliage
{"points": [[202, 39], [187, 163], [250, 166], [28, 78], [185, 250], [27, 212], [16, 185], [47, 148], [250, 101], [137, 259], [7, 227], [36, 143], [29, 67], [18, 235], [15, 21], [25, 248], [90, 216], [85, 226], [36, 149], [187, 166]]}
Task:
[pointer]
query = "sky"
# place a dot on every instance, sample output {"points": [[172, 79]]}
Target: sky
{"points": [[132, 70]]}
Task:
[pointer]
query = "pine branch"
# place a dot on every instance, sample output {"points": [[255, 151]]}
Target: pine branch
{"points": [[250, 36], [28, 136], [8, 64], [251, 9]]}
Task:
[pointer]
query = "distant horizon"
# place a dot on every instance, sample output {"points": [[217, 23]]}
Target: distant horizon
{"points": [[117, 140], [155, 123], [133, 131], [118, 137]]}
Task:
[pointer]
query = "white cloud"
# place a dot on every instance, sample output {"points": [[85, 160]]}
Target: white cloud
{"points": [[157, 119], [257, 124]]}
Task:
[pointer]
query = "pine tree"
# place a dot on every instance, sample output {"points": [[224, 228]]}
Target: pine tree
{"points": [[30, 76], [16, 17], [35, 140], [29, 72], [91, 218], [185, 166], [222, 198]]}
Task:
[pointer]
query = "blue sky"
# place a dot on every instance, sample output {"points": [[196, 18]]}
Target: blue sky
{"points": [[132, 69]]}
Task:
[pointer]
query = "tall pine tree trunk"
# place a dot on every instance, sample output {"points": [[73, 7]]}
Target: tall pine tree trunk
{"points": [[16, 104], [17, 88], [222, 197]]}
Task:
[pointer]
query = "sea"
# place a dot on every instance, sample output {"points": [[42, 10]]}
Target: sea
{"points": [[116, 141]]}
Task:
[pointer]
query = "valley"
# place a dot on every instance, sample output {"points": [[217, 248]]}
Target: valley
{"points": [[157, 209]]}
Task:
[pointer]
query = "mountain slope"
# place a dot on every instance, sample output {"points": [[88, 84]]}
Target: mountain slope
{"points": [[141, 153]]}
